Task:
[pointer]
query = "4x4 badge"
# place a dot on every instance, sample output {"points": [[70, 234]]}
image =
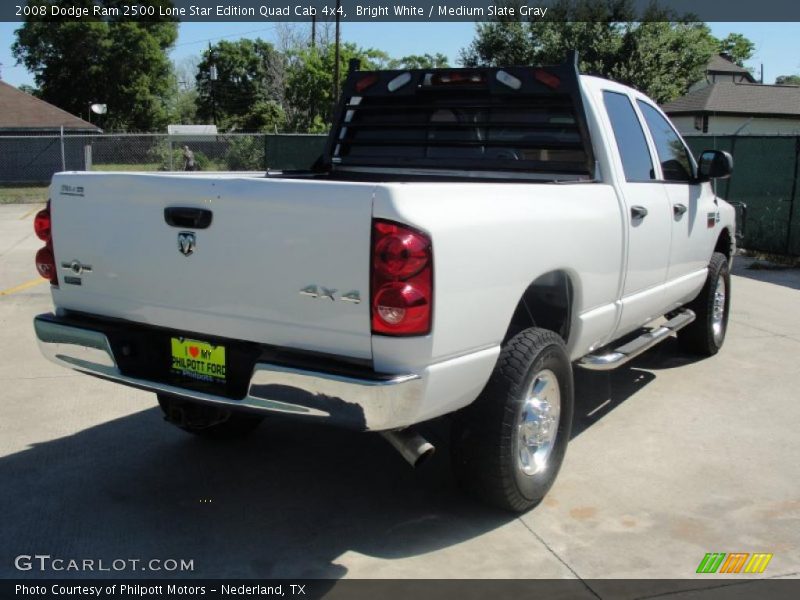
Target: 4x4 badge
{"points": [[186, 242], [318, 291]]}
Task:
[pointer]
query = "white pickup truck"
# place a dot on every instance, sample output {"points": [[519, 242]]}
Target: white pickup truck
{"points": [[468, 236]]}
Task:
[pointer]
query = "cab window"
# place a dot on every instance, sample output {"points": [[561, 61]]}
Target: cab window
{"points": [[631, 142], [676, 163]]}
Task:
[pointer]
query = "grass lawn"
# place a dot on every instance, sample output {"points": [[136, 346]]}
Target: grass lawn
{"points": [[23, 194]]}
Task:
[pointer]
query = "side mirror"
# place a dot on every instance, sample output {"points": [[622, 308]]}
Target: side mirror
{"points": [[714, 164]]}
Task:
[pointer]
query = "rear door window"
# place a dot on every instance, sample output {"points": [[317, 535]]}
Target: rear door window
{"points": [[631, 143]]}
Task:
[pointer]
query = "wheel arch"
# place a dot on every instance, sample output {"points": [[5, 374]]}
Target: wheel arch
{"points": [[725, 244], [548, 302]]}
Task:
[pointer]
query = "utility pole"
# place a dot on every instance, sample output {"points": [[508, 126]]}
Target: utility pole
{"points": [[313, 31], [212, 77], [336, 56]]}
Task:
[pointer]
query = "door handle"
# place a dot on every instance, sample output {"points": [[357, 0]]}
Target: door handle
{"points": [[679, 209], [638, 212], [187, 217]]}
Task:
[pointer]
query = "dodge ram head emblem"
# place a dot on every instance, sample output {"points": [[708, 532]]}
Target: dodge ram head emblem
{"points": [[186, 242]]}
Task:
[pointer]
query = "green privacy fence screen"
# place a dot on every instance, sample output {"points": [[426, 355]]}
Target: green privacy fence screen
{"points": [[293, 151], [765, 178]]}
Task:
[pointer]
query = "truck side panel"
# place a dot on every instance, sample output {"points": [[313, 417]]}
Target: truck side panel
{"points": [[490, 242]]}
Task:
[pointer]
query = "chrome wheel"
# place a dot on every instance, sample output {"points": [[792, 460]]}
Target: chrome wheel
{"points": [[718, 311], [508, 446], [537, 423]]}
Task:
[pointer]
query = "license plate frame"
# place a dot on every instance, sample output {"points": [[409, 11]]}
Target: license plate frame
{"points": [[198, 360]]}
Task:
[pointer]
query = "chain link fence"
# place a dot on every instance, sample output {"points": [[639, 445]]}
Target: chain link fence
{"points": [[32, 159]]}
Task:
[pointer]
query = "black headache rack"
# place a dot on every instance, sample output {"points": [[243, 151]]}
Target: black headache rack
{"points": [[507, 119]]}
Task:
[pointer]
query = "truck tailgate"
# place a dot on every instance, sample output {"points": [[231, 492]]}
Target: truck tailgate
{"points": [[268, 240]]}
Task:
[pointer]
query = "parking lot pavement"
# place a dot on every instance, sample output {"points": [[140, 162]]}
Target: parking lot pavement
{"points": [[18, 244], [671, 458]]}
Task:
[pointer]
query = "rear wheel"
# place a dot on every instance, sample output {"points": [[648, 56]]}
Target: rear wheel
{"points": [[706, 334], [207, 420], [508, 445]]}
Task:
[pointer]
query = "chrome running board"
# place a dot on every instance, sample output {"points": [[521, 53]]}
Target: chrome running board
{"points": [[613, 358]]}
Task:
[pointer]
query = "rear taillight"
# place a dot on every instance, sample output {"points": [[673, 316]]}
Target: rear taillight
{"points": [[41, 224], [46, 264], [45, 257], [402, 280]]}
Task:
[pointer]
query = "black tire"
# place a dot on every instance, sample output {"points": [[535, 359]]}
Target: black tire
{"points": [[706, 334], [487, 448], [207, 420]]}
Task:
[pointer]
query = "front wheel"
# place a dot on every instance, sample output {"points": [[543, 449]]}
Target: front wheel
{"points": [[706, 334], [508, 445]]}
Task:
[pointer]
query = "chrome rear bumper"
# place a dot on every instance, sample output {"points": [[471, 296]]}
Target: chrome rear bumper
{"points": [[375, 404]]}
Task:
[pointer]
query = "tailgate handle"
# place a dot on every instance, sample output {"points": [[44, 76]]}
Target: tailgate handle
{"points": [[187, 218]]}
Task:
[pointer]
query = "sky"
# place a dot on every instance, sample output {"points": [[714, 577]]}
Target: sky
{"points": [[777, 44]]}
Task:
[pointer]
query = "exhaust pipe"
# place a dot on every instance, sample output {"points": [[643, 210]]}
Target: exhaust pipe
{"points": [[411, 445]]}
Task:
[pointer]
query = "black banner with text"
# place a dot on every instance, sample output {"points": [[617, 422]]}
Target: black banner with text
{"points": [[401, 10], [386, 589]]}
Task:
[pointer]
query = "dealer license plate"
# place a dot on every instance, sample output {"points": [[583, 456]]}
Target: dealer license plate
{"points": [[198, 360]]}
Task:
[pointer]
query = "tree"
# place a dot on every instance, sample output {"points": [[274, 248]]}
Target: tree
{"points": [[29, 89], [120, 63], [737, 47], [248, 92], [419, 61], [663, 59], [140, 89], [183, 105], [594, 28], [309, 86], [787, 80], [186, 71], [500, 43], [656, 53]]}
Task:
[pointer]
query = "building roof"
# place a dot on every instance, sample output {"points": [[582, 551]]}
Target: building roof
{"points": [[19, 110], [721, 64], [739, 98]]}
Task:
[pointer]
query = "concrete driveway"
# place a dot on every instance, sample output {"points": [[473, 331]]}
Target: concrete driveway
{"points": [[671, 458]]}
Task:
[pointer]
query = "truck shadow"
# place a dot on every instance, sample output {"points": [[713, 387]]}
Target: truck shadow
{"points": [[598, 393], [285, 502]]}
